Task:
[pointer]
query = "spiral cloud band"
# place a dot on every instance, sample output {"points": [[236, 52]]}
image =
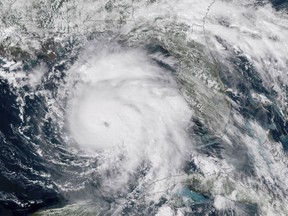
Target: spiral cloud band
{"points": [[128, 110]]}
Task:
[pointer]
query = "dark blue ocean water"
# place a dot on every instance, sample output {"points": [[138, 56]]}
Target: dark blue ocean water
{"points": [[280, 4]]}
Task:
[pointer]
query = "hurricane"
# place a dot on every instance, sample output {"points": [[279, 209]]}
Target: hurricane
{"points": [[143, 107], [124, 109]]}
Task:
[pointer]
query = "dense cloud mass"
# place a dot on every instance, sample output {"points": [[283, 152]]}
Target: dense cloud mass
{"points": [[130, 112], [143, 107]]}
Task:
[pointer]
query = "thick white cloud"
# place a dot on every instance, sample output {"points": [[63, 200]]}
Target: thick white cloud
{"points": [[127, 110]]}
